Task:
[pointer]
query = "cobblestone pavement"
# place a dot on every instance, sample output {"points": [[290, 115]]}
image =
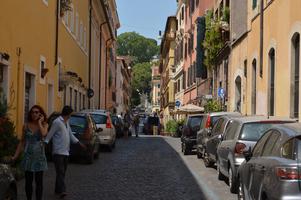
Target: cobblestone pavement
{"points": [[144, 168]]}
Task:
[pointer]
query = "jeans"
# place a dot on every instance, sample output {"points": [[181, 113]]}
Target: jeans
{"points": [[39, 184], [60, 162]]}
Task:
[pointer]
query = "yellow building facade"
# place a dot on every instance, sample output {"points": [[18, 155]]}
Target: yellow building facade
{"points": [[47, 56], [271, 88], [167, 70]]}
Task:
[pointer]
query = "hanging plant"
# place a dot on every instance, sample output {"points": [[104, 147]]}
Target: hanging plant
{"points": [[213, 40], [65, 6]]}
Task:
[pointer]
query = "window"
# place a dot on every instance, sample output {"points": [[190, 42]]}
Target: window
{"points": [[66, 18], [288, 150], [231, 130], [257, 150], [72, 19], [75, 100], [77, 26], [80, 101], [246, 68], [217, 128], [254, 4], [81, 32], [85, 39], [70, 100], [253, 131], [295, 69], [271, 86], [253, 110], [268, 147]]}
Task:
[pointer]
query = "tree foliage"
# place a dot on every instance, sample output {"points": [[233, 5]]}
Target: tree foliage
{"points": [[213, 40], [141, 81], [140, 48], [213, 106]]}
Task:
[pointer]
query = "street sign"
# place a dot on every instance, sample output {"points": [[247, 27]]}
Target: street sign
{"points": [[221, 92], [178, 103]]}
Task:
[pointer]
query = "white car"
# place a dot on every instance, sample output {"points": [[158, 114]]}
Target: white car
{"points": [[103, 120]]}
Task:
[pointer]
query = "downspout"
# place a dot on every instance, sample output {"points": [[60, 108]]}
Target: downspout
{"points": [[90, 44], [57, 32], [100, 55], [261, 38], [106, 72]]}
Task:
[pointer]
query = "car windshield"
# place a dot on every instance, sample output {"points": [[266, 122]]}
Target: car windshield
{"points": [[78, 124], [195, 121], [214, 119], [253, 131], [99, 119]]}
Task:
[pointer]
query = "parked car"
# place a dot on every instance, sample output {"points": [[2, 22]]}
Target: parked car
{"points": [[103, 120], [8, 186], [189, 133], [206, 127], [84, 129], [241, 134], [272, 169], [149, 123], [118, 124], [213, 138]]}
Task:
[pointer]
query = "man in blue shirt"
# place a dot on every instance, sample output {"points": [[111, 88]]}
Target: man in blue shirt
{"points": [[61, 135]]}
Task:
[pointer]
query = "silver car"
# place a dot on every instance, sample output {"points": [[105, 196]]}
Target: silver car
{"points": [[103, 120], [273, 169], [241, 134]]}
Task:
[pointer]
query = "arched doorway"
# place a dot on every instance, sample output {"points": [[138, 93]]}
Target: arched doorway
{"points": [[238, 94]]}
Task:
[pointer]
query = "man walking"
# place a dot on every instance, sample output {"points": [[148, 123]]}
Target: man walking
{"points": [[61, 135]]}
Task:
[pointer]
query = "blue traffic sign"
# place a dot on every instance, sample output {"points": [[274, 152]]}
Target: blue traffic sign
{"points": [[221, 92]]}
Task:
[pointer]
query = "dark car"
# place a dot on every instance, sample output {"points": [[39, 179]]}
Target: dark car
{"points": [[189, 132], [84, 129], [118, 123], [241, 134], [8, 186], [213, 138], [206, 127], [272, 170], [149, 123]]}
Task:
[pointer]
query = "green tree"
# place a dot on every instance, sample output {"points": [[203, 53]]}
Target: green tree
{"points": [[140, 48], [141, 81]]}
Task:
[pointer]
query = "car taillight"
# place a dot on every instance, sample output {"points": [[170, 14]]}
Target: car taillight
{"points": [[208, 122], [287, 173], [239, 148], [108, 123]]}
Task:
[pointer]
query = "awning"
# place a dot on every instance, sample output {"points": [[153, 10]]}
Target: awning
{"points": [[190, 108]]}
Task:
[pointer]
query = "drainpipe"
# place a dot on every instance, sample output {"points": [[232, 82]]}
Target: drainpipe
{"points": [[19, 51], [100, 54], [57, 32], [261, 38], [106, 71], [90, 44]]}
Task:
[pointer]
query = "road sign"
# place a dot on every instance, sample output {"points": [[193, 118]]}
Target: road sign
{"points": [[178, 103], [221, 92]]}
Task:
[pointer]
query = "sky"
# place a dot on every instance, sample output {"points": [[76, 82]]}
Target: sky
{"points": [[145, 17]]}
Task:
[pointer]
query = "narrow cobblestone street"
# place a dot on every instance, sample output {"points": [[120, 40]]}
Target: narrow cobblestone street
{"points": [[140, 168]]}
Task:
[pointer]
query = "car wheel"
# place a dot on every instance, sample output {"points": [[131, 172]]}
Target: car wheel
{"points": [[232, 182], [240, 192], [11, 194], [186, 150], [220, 176], [207, 161], [198, 153], [90, 157]]}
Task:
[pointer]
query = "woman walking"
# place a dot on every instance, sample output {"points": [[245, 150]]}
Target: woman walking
{"points": [[34, 162]]}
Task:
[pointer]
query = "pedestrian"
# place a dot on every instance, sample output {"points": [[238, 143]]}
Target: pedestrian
{"points": [[127, 124], [61, 135], [34, 161], [136, 124]]}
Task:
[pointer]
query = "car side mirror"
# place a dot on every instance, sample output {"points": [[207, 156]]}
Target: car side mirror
{"points": [[248, 154], [99, 130]]}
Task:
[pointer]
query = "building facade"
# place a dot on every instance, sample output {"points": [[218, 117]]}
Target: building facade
{"points": [[167, 69], [156, 92], [55, 55]]}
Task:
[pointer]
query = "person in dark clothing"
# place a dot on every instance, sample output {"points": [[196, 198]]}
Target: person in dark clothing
{"points": [[136, 124]]}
